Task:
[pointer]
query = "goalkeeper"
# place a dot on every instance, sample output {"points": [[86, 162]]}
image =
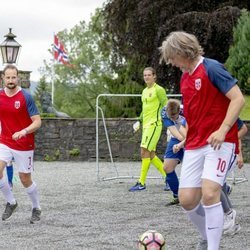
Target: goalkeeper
{"points": [[153, 100]]}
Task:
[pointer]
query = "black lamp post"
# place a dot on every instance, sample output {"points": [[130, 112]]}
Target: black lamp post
{"points": [[9, 48]]}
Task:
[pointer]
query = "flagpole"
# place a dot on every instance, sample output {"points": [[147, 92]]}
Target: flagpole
{"points": [[53, 83], [53, 74], [60, 55]]}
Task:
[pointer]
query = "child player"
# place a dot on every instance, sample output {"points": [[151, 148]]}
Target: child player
{"points": [[173, 121]]}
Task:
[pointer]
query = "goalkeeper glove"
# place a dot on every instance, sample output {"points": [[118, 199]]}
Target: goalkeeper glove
{"points": [[136, 126]]}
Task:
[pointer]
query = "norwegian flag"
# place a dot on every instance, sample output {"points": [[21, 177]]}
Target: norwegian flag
{"points": [[59, 52]]}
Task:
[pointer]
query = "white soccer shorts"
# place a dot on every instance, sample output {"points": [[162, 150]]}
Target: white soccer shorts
{"points": [[23, 159], [206, 163]]}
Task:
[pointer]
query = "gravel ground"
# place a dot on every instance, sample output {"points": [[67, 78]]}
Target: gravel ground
{"points": [[81, 212]]}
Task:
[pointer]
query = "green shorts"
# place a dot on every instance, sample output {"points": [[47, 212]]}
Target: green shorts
{"points": [[150, 137]]}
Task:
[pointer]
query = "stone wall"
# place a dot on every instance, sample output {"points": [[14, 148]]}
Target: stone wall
{"points": [[75, 140]]}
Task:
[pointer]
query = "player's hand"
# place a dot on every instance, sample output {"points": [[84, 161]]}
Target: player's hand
{"points": [[18, 135], [240, 162], [216, 139], [136, 126], [176, 148]]}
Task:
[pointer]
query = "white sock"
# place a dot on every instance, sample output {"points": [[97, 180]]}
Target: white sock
{"points": [[214, 225], [197, 216], [7, 193], [33, 194]]}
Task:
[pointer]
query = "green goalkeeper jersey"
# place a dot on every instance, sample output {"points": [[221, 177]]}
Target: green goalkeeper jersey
{"points": [[153, 100]]}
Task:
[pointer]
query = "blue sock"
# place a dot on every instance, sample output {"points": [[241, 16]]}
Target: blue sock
{"points": [[173, 182], [10, 173]]}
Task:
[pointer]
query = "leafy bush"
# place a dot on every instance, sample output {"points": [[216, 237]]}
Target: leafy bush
{"points": [[238, 62]]}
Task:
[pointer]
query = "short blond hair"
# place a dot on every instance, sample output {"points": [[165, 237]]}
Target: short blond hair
{"points": [[173, 106], [180, 43]]}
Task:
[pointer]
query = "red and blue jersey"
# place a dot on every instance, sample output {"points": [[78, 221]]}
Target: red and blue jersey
{"points": [[15, 114], [240, 124], [205, 102]]}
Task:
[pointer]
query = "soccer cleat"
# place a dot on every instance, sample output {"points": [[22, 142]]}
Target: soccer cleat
{"points": [[174, 201], [229, 189], [36, 215], [202, 245], [137, 187], [229, 220], [167, 188], [9, 209], [233, 230]]}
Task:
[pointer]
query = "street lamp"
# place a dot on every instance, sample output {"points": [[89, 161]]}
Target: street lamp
{"points": [[9, 48]]}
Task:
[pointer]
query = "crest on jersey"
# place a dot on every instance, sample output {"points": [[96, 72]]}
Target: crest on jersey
{"points": [[17, 104], [198, 84]]}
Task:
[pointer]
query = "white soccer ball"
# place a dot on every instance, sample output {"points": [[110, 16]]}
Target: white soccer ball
{"points": [[151, 240]]}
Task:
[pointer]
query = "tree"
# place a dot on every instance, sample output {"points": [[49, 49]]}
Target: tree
{"points": [[91, 74], [238, 62], [138, 28], [109, 53], [76, 87]]}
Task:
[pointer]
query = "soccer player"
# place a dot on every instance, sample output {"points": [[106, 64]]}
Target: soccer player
{"points": [[173, 121], [153, 100], [19, 119], [230, 227], [212, 103]]}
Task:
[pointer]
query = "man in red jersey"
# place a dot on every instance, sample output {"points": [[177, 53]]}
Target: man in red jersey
{"points": [[19, 119], [212, 103]]}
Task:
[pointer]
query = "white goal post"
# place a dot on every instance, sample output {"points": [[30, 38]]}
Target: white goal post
{"points": [[98, 108], [236, 176]]}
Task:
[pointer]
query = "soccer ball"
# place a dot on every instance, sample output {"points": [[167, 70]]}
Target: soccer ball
{"points": [[151, 240]]}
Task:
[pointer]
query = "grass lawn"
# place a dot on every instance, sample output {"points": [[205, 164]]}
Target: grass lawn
{"points": [[245, 113]]}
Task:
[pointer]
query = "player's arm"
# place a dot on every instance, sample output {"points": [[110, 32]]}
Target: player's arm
{"points": [[170, 125], [175, 132], [236, 104], [243, 131], [36, 124], [240, 160], [183, 130], [162, 96], [182, 144], [141, 117]]}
